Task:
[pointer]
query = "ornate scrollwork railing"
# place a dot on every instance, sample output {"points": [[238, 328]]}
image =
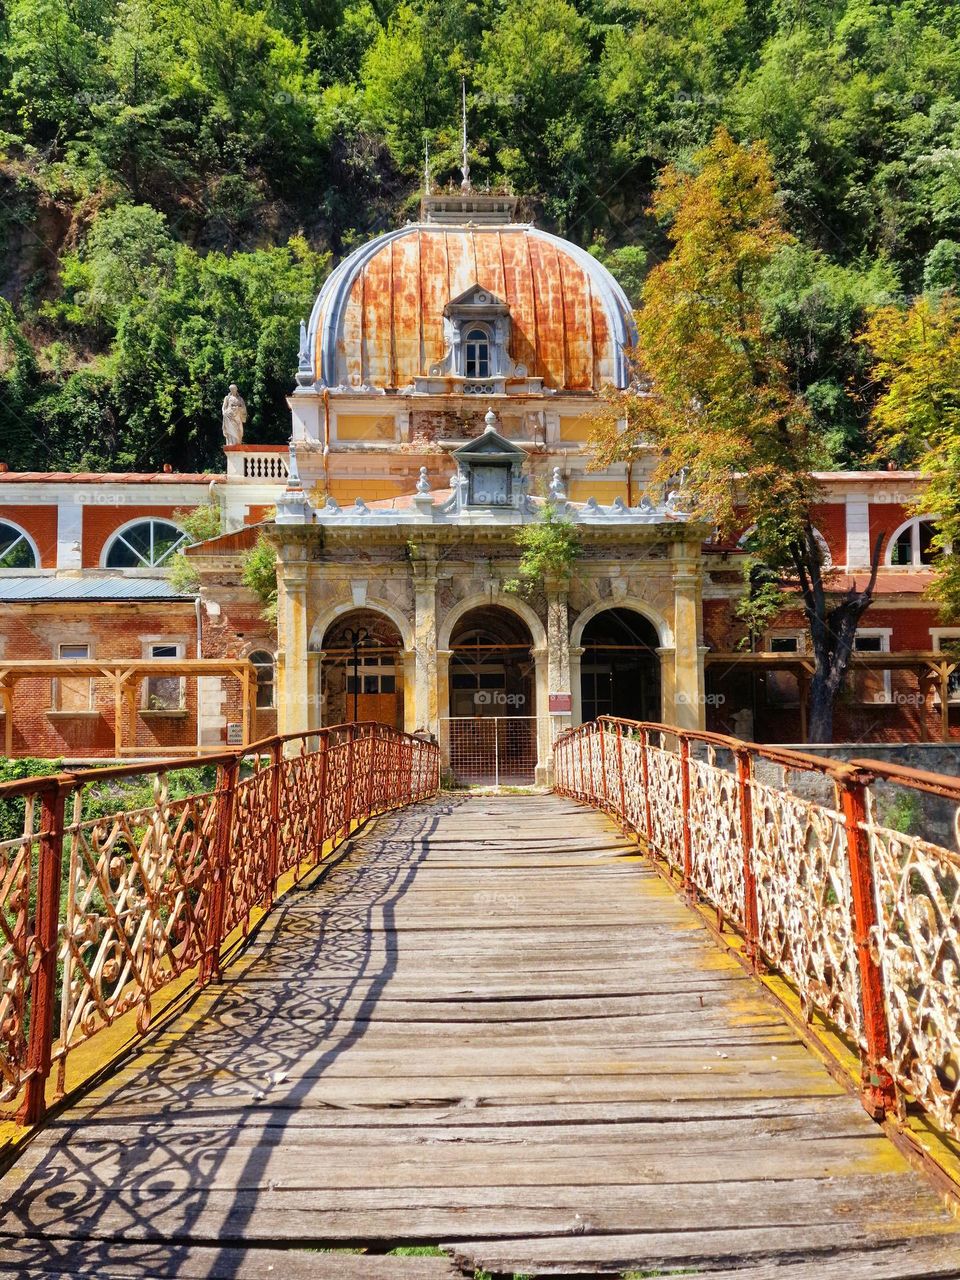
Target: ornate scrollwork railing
{"points": [[115, 882], [831, 872]]}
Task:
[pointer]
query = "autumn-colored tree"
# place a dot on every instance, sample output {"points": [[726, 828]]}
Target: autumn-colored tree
{"points": [[715, 397], [916, 416]]}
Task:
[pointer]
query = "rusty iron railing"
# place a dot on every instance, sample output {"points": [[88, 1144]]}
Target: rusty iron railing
{"points": [[108, 894], [831, 873]]}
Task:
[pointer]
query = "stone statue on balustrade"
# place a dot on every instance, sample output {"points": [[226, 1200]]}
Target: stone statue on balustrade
{"points": [[234, 410]]}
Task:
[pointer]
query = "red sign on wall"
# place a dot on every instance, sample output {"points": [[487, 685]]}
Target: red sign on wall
{"points": [[561, 704]]}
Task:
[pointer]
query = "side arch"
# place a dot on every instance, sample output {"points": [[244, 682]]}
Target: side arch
{"points": [[330, 615]]}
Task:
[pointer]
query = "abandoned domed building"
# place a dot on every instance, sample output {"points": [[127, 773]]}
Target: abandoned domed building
{"points": [[447, 381]]}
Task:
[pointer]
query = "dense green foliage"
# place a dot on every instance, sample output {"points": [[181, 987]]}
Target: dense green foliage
{"points": [[177, 175]]}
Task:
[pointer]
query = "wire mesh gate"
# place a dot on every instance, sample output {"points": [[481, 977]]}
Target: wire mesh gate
{"points": [[484, 750]]}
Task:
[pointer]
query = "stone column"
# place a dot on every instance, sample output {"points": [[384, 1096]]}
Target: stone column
{"points": [[293, 628], [558, 670], [443, 700], [426, 703], [315, 677], [576, 685], [689, 705], [544, 771], [408, 663]]}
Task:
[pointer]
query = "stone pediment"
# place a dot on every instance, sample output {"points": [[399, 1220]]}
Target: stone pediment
{"points": [[488, 445], [477, 300]]}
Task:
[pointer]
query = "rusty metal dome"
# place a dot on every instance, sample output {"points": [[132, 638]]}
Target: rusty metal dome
{"points": [[378, 322]]}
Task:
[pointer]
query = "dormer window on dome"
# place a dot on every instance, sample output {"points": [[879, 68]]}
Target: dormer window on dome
{"points": [[476, 331]]}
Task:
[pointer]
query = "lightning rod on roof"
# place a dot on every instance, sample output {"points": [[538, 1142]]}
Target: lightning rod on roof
{"points": [[465, 163]]}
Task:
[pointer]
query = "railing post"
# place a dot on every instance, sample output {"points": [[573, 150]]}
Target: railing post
{"points": [[877, 1089], [43, 986], [645, 769], [603, 764], [371, 760], [580, 790], [273, 831], [219, 871], [348, 789], [751, 915], [688, 888], [324, 747], [592, 794], [623, 792]]}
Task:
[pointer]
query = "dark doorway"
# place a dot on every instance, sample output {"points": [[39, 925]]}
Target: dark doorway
{"points": [[620, 667]]}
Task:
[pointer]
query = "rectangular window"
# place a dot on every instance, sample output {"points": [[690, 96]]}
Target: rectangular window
{"points": [[164, 693], [72, 693], [782, 687], [947, 640], [871, 684]]}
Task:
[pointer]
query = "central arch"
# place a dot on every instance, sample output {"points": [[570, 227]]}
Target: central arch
{"points": [[490, 729]]}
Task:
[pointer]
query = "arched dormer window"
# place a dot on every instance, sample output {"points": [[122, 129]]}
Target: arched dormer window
{"points": [[143, 544], [17, 549], [912, 543], [826, 556], [476, 354]]}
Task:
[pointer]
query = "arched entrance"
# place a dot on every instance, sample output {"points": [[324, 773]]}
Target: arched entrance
{"points": [[362, 671], [620, 667], [490, 731]]}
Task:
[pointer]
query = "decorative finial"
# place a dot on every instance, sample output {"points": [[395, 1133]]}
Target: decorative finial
{"points": [[490, 418], [293, 474], [556, 487], [304, 362], [465, 185], [423, 484]]}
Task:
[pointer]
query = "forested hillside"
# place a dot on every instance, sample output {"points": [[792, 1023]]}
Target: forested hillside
{"points": [[178, 176]]}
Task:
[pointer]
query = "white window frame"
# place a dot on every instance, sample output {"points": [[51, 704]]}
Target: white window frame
{"points": [[258, 666], [55, 688], [118, 534], [937, 636], [913, 524], [777, 697], [785, 633], [24, 537], [149, 645], [883, 634]]}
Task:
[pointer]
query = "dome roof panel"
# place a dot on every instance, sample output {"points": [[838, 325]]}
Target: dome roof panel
{"points": [[379, 319]]}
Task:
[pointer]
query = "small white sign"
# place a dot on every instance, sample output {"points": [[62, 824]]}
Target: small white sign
{"points": [[234, 735]]}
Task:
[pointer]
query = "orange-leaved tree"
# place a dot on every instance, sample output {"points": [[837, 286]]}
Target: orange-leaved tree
{"points": [[715, 397], [916, 416]]}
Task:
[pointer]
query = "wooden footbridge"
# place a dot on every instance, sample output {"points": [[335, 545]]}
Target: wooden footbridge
{"points": [[482, 1033]]}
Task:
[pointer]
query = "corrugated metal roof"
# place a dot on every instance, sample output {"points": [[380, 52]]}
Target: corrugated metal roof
{"points": [[99, 588], [379, 318]]}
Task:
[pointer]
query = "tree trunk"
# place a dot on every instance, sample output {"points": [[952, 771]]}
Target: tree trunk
{"points": [[820, 700]]}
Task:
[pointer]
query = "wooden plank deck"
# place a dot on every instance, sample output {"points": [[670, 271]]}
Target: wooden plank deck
{"points": [[489, 1026]]}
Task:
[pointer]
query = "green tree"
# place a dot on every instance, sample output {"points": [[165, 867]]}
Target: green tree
{"points": [[720, 402]]}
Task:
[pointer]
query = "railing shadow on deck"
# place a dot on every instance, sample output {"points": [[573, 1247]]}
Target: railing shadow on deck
{"points": [[247, 1047], [842, 877], [118, 882]]}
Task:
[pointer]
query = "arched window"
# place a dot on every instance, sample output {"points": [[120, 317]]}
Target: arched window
{"points": [[912, 543], [263, 661], [476, 354], [144, 544], [16, 548], [826, 556]]}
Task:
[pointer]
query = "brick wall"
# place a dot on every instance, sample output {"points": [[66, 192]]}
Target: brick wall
{"points": [[40, 522], [118, 631]]}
